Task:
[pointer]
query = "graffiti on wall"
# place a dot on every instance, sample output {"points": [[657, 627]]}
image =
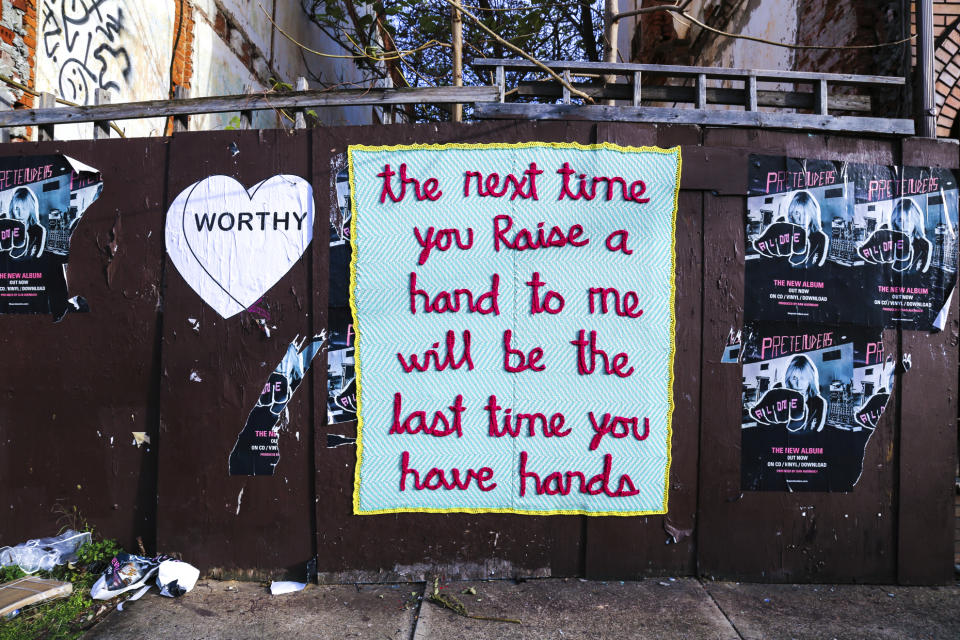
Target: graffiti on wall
{"points": [[82, 39]]}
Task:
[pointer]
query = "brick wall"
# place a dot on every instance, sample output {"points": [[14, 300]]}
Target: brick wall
{"points": [[655, 38], [857, 22], [182, 69], [183, 55], [18, 42]]}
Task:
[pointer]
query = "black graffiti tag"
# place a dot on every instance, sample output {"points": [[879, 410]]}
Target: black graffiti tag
{"points": [[91, 55]]}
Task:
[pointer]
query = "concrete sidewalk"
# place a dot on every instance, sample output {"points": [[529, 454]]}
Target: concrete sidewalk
{"points": [[549, 608]]}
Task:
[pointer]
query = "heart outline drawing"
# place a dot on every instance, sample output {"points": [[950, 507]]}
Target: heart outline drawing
{"points": [[228, 267]]}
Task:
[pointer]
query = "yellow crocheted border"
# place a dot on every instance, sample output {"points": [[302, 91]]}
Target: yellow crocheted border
{"points": [[358, 331]]}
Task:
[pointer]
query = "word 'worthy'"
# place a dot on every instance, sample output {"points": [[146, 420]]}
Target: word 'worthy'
{"points": [[250, 220]]}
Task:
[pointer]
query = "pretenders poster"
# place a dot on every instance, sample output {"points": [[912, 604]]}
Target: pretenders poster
{"points": [[797, 262], [812, 396], [835, 252], [905, 219], [833, 242], [42, 199]]}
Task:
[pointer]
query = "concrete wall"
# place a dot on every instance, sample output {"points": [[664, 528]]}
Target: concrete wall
{"points": [[806, 22], [236, 47], [775, 21]]}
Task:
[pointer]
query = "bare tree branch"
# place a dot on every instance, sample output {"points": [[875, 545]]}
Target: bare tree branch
{"points": [[516, 49]]}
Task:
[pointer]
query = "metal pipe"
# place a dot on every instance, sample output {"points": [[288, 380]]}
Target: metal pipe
{"points": [[927, 114]]}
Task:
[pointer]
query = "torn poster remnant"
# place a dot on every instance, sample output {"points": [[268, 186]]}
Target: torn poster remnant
{"points": [[812, 397], [341, 370], [42, 199], [257, 450]]}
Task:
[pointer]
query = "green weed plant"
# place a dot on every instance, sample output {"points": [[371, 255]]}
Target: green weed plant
{"points": [[63, 619]]}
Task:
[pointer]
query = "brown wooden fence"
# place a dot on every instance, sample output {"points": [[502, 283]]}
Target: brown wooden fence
{"points": [[74, 391]]}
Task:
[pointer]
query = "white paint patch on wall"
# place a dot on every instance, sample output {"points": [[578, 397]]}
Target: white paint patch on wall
{"points": [[120, 45], [126, 45], [217, 71], [290, 62], [256, 23], [771, 19], [276, 58]]}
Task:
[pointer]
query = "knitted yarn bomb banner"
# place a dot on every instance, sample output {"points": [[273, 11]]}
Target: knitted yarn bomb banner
{"points": [[515, 327]]}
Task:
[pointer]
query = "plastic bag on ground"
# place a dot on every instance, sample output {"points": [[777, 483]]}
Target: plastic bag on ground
{"points": [[125, 572], [281, 587], [44, 553], [175, 578]]}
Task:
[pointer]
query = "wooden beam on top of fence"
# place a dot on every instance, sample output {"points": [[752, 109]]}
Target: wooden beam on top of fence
{"points": [[181, 122], [45, 101], [300, 119], [751, 93], [598, 113], [4, 132], [715, 95], [246, 116], [701, 102], [681, 71], [256, 102], [820, 91], [101, 128]]}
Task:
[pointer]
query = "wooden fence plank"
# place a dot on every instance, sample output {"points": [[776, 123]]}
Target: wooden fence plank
{"points": [[415, 546], [526, 111], [254, 102], [928, 443], [715, 95], [82, 385], [664, 543], [214, 370], [682, 71]]}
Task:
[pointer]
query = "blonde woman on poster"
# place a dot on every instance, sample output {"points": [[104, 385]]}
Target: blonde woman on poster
{"points": [[797, 232]]}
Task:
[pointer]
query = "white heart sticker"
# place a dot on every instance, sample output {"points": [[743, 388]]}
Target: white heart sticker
{"points": [[232, 244]]}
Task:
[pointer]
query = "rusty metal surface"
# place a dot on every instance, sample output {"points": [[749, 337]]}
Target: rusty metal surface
{"points": [[928, 440], [820, 537], [73, 391], [72, 386], [218, 522]]}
